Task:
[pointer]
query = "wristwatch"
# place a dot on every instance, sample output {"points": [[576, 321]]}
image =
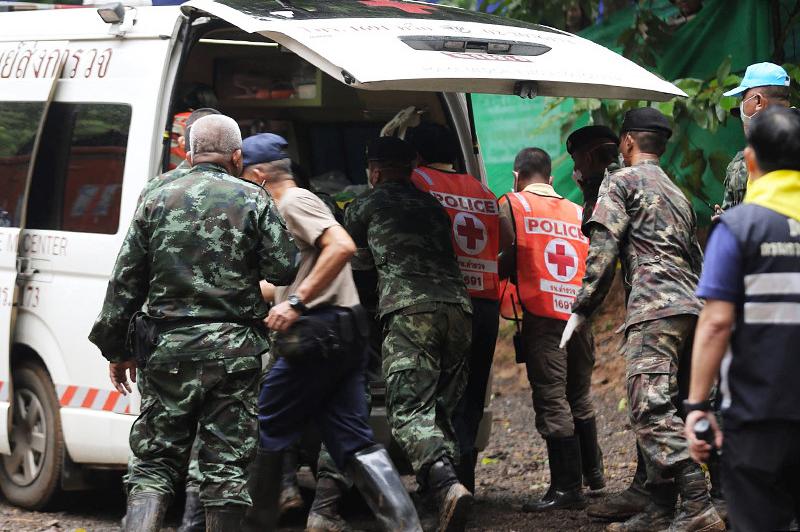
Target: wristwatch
{"points": [[704, 406], [296, 303]]}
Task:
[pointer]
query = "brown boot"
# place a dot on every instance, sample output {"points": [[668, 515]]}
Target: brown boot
{"points": [[655, 517], [697, 514], [454, 500], [625, 504]]}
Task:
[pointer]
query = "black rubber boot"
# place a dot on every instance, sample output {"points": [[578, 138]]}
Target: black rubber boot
{"points": [[454, 500], [194, 516], [146, 511], [591, 454], [379, 482], [657, 513], [564, 456], [465, 470], [290, 498], [717, 495], [627, 503], [697, 514], [324, 514], [225, 519], [265, 489]]}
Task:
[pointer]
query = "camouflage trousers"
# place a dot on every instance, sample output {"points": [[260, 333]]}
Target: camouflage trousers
{"points": [[652, 351], [214, 401], [425, 365], [193, 476]]}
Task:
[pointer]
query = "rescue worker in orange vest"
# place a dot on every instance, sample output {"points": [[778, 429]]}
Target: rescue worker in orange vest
{"points": [[543, 251], [474, 214]]}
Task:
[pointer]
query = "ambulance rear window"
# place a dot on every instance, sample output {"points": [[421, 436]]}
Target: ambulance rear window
{"points": [[77, 182], [18, 124]]}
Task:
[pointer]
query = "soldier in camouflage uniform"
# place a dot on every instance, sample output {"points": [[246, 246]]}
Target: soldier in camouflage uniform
{"points": [[194, 519], [195, 252], [764, 84], [595, 153], [425, 311], [645, 220]]}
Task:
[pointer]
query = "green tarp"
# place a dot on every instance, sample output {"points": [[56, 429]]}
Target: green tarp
{"points": [[741, 29]]}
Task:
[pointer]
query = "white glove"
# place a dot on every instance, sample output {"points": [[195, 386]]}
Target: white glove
{"points": [[574, 323]]}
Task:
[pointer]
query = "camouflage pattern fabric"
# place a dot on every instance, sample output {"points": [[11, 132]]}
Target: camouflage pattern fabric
{"points": [[735, 182], [644, 219], [163, 179], [194, 478], [214, 400], [425, 366], [197, 248], [652, 350], [405, 233]]}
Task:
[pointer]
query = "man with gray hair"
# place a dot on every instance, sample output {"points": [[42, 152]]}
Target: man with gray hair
{"points": [[195, 251]]}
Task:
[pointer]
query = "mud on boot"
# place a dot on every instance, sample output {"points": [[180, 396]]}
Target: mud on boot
{"points": [[324, 513], [697, 514], [454, 500], [146, 511], [627, 503], [653, 518]]}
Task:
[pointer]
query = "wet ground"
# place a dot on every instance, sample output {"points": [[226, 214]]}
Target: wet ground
{"points": [[512, 470]]}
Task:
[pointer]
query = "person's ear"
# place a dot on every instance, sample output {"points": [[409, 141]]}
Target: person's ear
{"points": [[516, 181], [182, 142], [236, 159], [752, 164], [189, 158], [550, 181]]}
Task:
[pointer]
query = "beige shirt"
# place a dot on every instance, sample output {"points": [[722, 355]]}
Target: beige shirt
{"points": [[307, 217]]}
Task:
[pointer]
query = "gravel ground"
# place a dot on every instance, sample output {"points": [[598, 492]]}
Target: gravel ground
{"points": [[512, 470]]}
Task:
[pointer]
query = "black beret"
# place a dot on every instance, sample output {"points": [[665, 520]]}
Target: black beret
{"points": [[586, 135], [390, 149], [646, 119]]}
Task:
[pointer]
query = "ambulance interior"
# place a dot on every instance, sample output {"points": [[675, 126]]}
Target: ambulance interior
{"points": [[268, 88]]}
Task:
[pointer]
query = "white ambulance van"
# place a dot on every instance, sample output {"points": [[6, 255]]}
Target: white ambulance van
{"points": [[87, 101]]}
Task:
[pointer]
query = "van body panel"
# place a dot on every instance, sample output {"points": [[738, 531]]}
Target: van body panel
{"points": [[96, 437], [402, 53], [27, 99]]}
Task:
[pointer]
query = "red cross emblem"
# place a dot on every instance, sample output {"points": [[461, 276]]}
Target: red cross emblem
{"points": [[561, 259], [469, 232], [402, 6]]}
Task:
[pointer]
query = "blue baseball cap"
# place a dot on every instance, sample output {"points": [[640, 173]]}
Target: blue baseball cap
{"points": [[263, 148], [761, 75]]}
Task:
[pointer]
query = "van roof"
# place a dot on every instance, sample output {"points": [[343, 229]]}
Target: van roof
{"points": [[83, 24]]}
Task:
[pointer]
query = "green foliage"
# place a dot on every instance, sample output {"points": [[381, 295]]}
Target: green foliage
{"points": [[704, 108]]}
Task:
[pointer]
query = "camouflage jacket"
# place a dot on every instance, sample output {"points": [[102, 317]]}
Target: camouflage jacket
{"points": [[735, 182], [197, 247], [406, 235], [643, 218], [163, 179]]}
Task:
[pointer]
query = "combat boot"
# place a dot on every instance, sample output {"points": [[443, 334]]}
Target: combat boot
{"points": [[224, 519], [379, 482], [565, 492], [324, 514], [628, 503], [453, 499], [697, 514], [290, 498], [264, 486], [194, 516], [657, 514], [146, 511], [466, 470]]}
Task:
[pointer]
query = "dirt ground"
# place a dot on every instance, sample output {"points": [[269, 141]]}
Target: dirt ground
{"points": [[512, 470]]}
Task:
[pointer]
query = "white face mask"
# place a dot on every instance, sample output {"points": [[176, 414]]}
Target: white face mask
{"points": [[746, 118]]}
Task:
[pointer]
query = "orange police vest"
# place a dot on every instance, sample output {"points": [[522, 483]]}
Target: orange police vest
{"points": [[176, 153], [551, 256], [475, 217]]}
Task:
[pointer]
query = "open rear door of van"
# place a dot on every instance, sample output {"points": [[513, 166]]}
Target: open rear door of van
{"points": [[25, 95], [399, 45]]}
